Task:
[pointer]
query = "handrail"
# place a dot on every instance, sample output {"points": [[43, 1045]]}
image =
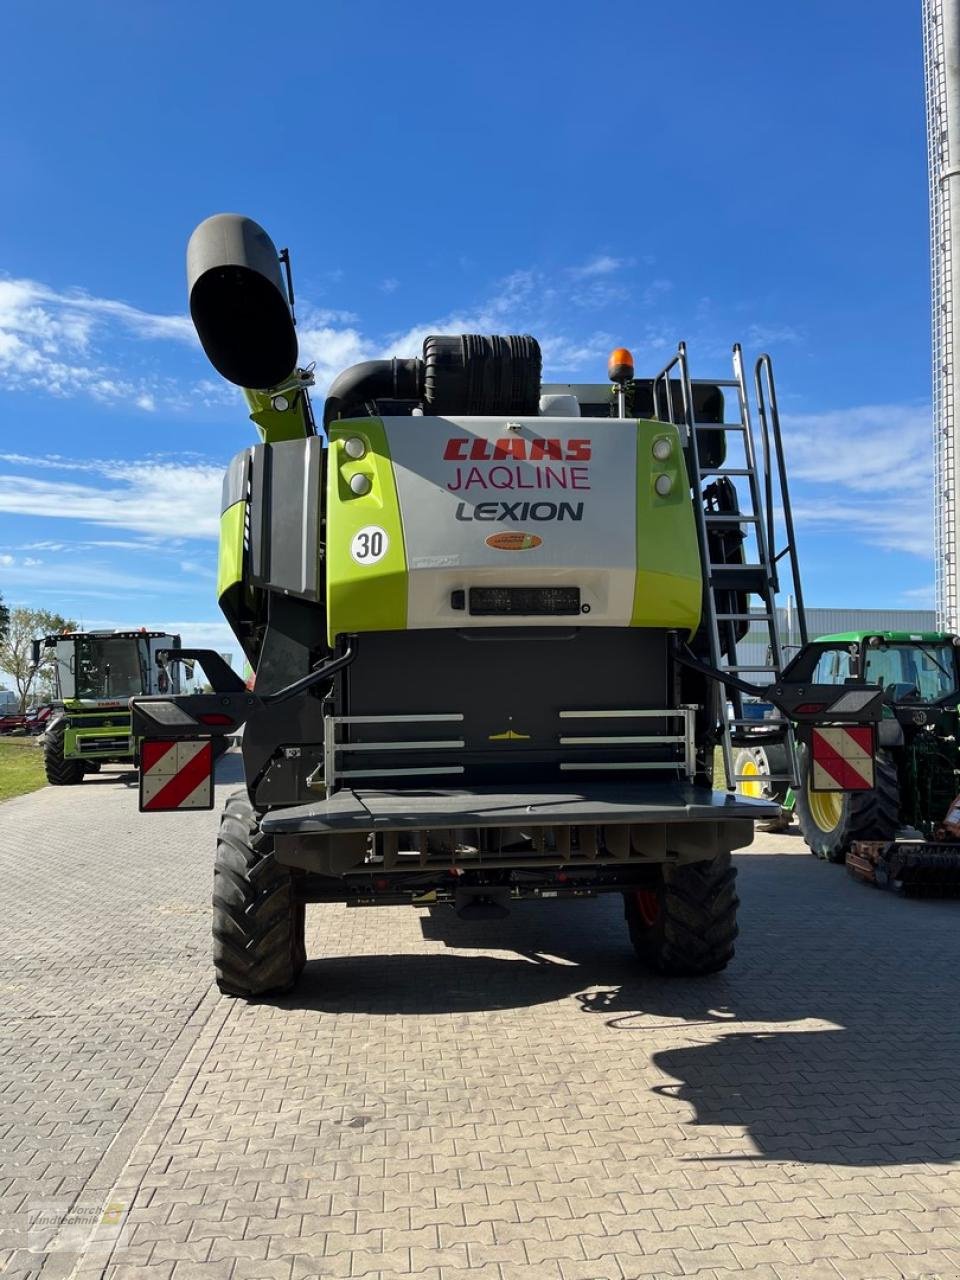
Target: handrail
{"points": [[769, 414]]}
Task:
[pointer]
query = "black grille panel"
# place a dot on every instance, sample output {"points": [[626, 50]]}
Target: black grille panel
{"points": [[526, 601]]}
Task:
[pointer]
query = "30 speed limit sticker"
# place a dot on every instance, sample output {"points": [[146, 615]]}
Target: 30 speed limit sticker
{"points": [[369, 545]]}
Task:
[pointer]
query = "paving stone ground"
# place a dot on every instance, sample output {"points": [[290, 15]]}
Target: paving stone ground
{"points": [[443, 1100]]}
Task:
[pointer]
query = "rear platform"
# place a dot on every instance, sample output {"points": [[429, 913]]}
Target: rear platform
{"points": [[594, 803]]}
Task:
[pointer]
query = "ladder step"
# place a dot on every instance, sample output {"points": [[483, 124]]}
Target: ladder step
{"points": [[719, 426], [740, 577], [726, 471], [762, 777], [744, 617], [715, 517], [772, 670], [732, 566]]}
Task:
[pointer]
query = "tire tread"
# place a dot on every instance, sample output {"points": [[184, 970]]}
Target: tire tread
{"points": [[258, 924], [697, 927]]}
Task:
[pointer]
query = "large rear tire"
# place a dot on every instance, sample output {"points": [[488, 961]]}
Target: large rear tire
{"points": [[832, 820], [60, 771], [258, 922], [685, 922]]}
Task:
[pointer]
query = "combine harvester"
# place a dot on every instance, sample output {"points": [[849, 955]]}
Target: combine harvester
{"points": [[95, 673], [494, 626]]}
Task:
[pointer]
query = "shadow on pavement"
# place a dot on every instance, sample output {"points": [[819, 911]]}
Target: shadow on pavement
{"points": [[869, 1079]]}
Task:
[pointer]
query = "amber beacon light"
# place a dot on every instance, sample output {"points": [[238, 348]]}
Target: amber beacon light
{"points": [[620, 372], [620, 365]]}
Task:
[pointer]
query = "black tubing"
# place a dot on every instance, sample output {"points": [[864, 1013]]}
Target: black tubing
{"points": [[357, 387], [475, 374], [469, 374]]}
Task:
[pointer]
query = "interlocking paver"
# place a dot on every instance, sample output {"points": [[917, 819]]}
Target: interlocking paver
{"points": [[105, 966], [442, 1100]]}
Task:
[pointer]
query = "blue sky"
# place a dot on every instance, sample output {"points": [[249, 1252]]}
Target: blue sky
{"points": [[597, 175]]}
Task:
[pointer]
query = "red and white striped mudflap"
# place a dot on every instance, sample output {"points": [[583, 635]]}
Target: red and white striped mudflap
{"points": [[176, 775], [842, 757]]}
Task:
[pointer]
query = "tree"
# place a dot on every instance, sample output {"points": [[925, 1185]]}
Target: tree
{"points": [[4, 620], [16, 645]]}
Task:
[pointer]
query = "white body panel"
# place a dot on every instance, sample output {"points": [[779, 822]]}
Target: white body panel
{"points": [[568, 484]]}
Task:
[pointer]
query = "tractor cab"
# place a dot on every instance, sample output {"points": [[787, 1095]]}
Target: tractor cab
{"points": [[914, 669]]}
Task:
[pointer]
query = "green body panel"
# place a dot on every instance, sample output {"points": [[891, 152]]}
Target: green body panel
{"points": [[94, 740], [230, 560], [273, 424], [373, 598], [669, 585]]}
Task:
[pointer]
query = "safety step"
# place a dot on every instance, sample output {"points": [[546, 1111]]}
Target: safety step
{"points": [[761, 777], [771, 670], [726, 566], [744, 617], [740, 577]]}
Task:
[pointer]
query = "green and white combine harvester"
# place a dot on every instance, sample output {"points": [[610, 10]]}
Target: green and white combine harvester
{"points": [[494, 627], [95, 673]]}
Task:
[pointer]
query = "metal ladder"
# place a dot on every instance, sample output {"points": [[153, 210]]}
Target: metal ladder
{"points": [[725, 578]]}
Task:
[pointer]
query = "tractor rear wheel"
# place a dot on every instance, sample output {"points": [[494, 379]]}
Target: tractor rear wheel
{"points": [[60, 771], [831, 820], [685, 921], [761, 763], [258, 923]]}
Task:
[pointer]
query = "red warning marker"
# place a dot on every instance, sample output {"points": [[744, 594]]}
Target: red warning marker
{"points": [[842, 757], [176, 775]]}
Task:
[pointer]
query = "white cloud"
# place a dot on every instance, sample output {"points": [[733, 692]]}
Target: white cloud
{"points": [[881, 448], [331, 351], [48, 341], [166, 499], [565, 355], [603, 264], [84, 580], [920, 597], [769, 335], [197, 569], [70, 343], [904, 526], [864, 472]]}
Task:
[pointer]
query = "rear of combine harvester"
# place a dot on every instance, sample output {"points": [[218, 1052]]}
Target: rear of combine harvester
{"points": [[493, 625]]}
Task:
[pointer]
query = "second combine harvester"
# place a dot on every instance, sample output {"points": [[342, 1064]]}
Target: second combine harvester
{"points": [[494, 627]]}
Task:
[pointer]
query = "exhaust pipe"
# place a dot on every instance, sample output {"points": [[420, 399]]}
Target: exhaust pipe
{"points": [[239, 303]]}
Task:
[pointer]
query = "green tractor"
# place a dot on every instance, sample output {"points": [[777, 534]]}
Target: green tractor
{"points": [[492, 622], [95, 673], [917, 765]]}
